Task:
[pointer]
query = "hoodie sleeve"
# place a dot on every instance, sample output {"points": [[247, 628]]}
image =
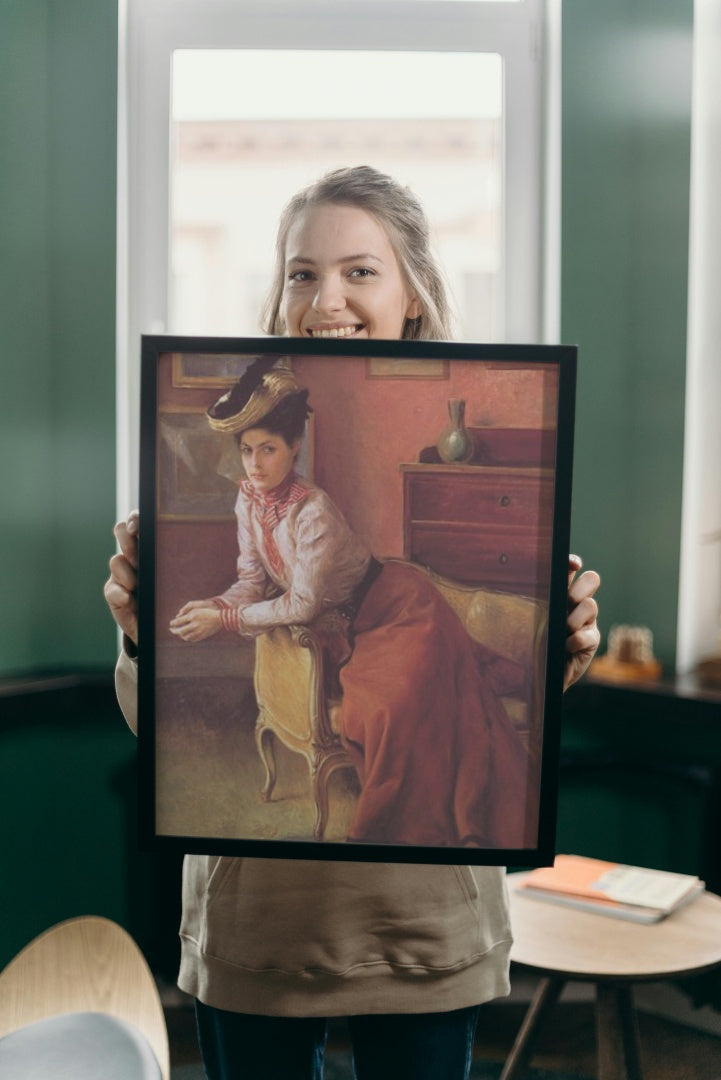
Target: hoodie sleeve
{"points": [[126, 689]]}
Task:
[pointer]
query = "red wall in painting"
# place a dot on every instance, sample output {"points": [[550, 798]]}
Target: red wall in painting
{"points": [[197, 560], [365, 427]]}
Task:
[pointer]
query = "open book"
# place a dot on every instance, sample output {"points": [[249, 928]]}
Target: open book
{"points": [[608, 888]]}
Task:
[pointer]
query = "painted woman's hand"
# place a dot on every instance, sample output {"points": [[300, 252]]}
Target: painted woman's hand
{"points": [[120, 589], [583, 635], [196, 621]]}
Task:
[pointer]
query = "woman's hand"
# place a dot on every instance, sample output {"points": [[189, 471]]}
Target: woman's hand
{"points": [[196, 620], [121, 587], [583, 635]]}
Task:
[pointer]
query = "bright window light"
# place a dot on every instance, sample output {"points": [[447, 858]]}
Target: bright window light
{"points": [[219, 84]]}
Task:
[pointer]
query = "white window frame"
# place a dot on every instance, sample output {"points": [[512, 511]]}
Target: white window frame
{"points": [[525, 34], [699, 596]]}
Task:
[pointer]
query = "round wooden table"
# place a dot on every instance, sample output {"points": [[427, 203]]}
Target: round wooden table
{"points": [[562, 944]]}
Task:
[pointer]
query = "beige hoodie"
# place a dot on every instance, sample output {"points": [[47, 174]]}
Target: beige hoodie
{"points": [[287, 937]]}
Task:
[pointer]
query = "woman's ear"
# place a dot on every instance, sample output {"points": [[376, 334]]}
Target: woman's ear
{"points": [[415, 309]]}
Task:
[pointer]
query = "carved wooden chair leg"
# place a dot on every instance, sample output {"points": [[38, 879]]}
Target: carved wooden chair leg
{"points": [[264, 743], [319, 780]]}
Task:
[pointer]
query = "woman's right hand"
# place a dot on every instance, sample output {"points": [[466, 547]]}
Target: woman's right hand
{"points": [[121, 587], [196, 621]]}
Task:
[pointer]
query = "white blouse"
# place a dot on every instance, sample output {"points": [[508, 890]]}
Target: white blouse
{"points": [[323, 562]]}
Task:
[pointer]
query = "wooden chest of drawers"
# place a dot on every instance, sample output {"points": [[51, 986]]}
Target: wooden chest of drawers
{"points": [[483, 525]]}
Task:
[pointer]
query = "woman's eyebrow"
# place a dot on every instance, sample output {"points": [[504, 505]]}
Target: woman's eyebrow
{"points": [[360, 257]]}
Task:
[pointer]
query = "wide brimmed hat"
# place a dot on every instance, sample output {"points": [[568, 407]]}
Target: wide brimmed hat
{"points": [[256, 394]]}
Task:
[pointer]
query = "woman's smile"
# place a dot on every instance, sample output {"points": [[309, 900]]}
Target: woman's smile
{"points": [[335, 331]]}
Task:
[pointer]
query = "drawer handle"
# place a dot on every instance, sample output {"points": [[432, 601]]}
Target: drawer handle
{"points": [[505, 500], [503, 558]]}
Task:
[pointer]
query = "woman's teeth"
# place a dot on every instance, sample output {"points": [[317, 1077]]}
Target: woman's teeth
{"points": [[336, 332]]}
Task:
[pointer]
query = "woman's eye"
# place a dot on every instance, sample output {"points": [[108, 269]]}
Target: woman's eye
{"points": [[362, 272], [300, 276]]}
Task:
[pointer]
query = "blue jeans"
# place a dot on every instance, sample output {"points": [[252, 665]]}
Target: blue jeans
{"points": [[416, 1046]]}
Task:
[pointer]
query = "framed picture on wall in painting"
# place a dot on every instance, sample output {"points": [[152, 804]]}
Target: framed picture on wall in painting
{"points": [[362, 657], [196, 370], [198, 470], [407, 367]]}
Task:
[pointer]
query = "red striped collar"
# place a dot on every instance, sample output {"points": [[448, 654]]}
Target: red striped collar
{"points": [[279, 498]]}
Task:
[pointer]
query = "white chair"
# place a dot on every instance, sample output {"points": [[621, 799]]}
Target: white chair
{"points": [[80, 1002]]}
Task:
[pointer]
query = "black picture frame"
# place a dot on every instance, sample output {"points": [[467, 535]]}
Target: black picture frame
{"points": [[498, 523]]}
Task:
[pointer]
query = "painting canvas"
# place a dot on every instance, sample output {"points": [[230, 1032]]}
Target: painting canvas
{"points": [[352, 638]]}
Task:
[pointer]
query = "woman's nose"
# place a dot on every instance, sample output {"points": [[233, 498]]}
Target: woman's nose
{"points": [[329, 295]]}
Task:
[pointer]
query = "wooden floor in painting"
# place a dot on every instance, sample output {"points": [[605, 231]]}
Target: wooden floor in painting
{"points": [[210, 775]]}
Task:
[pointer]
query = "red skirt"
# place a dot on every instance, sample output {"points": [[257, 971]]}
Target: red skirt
{"points": [[440, 763]]}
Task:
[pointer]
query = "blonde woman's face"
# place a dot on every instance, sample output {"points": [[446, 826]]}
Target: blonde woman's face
{"points": [[342, 277]]}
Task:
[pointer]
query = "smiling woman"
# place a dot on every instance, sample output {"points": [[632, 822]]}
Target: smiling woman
{"points": [[290, 943], [353, 259]]}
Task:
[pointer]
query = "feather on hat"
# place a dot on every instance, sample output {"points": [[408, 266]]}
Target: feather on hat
{"points": [[256, 394]]}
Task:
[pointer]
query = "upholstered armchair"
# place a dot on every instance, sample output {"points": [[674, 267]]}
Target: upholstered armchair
{"points": [[293, 705]]}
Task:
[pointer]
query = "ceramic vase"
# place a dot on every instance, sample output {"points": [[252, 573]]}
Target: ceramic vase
{"points": [[455, 443]]}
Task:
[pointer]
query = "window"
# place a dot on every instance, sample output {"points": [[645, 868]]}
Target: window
{"points": [[237, 156], [446, 95]]}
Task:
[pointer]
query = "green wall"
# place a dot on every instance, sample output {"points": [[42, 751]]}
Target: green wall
{"points": [[58, 74], [67, 761], [625, 200]]}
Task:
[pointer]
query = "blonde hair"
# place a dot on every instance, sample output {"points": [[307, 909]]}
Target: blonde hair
{"points": [[403, 217]]}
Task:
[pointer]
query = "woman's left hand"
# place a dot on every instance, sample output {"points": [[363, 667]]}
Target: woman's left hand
{"points": [[583, 635], [196, 621]]}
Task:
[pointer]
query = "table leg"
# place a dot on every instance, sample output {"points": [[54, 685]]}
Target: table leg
{"points": [[545, 997], [617, 1033]]}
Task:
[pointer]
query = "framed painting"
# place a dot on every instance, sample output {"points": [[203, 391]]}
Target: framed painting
{"points": [[362, 659]]}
